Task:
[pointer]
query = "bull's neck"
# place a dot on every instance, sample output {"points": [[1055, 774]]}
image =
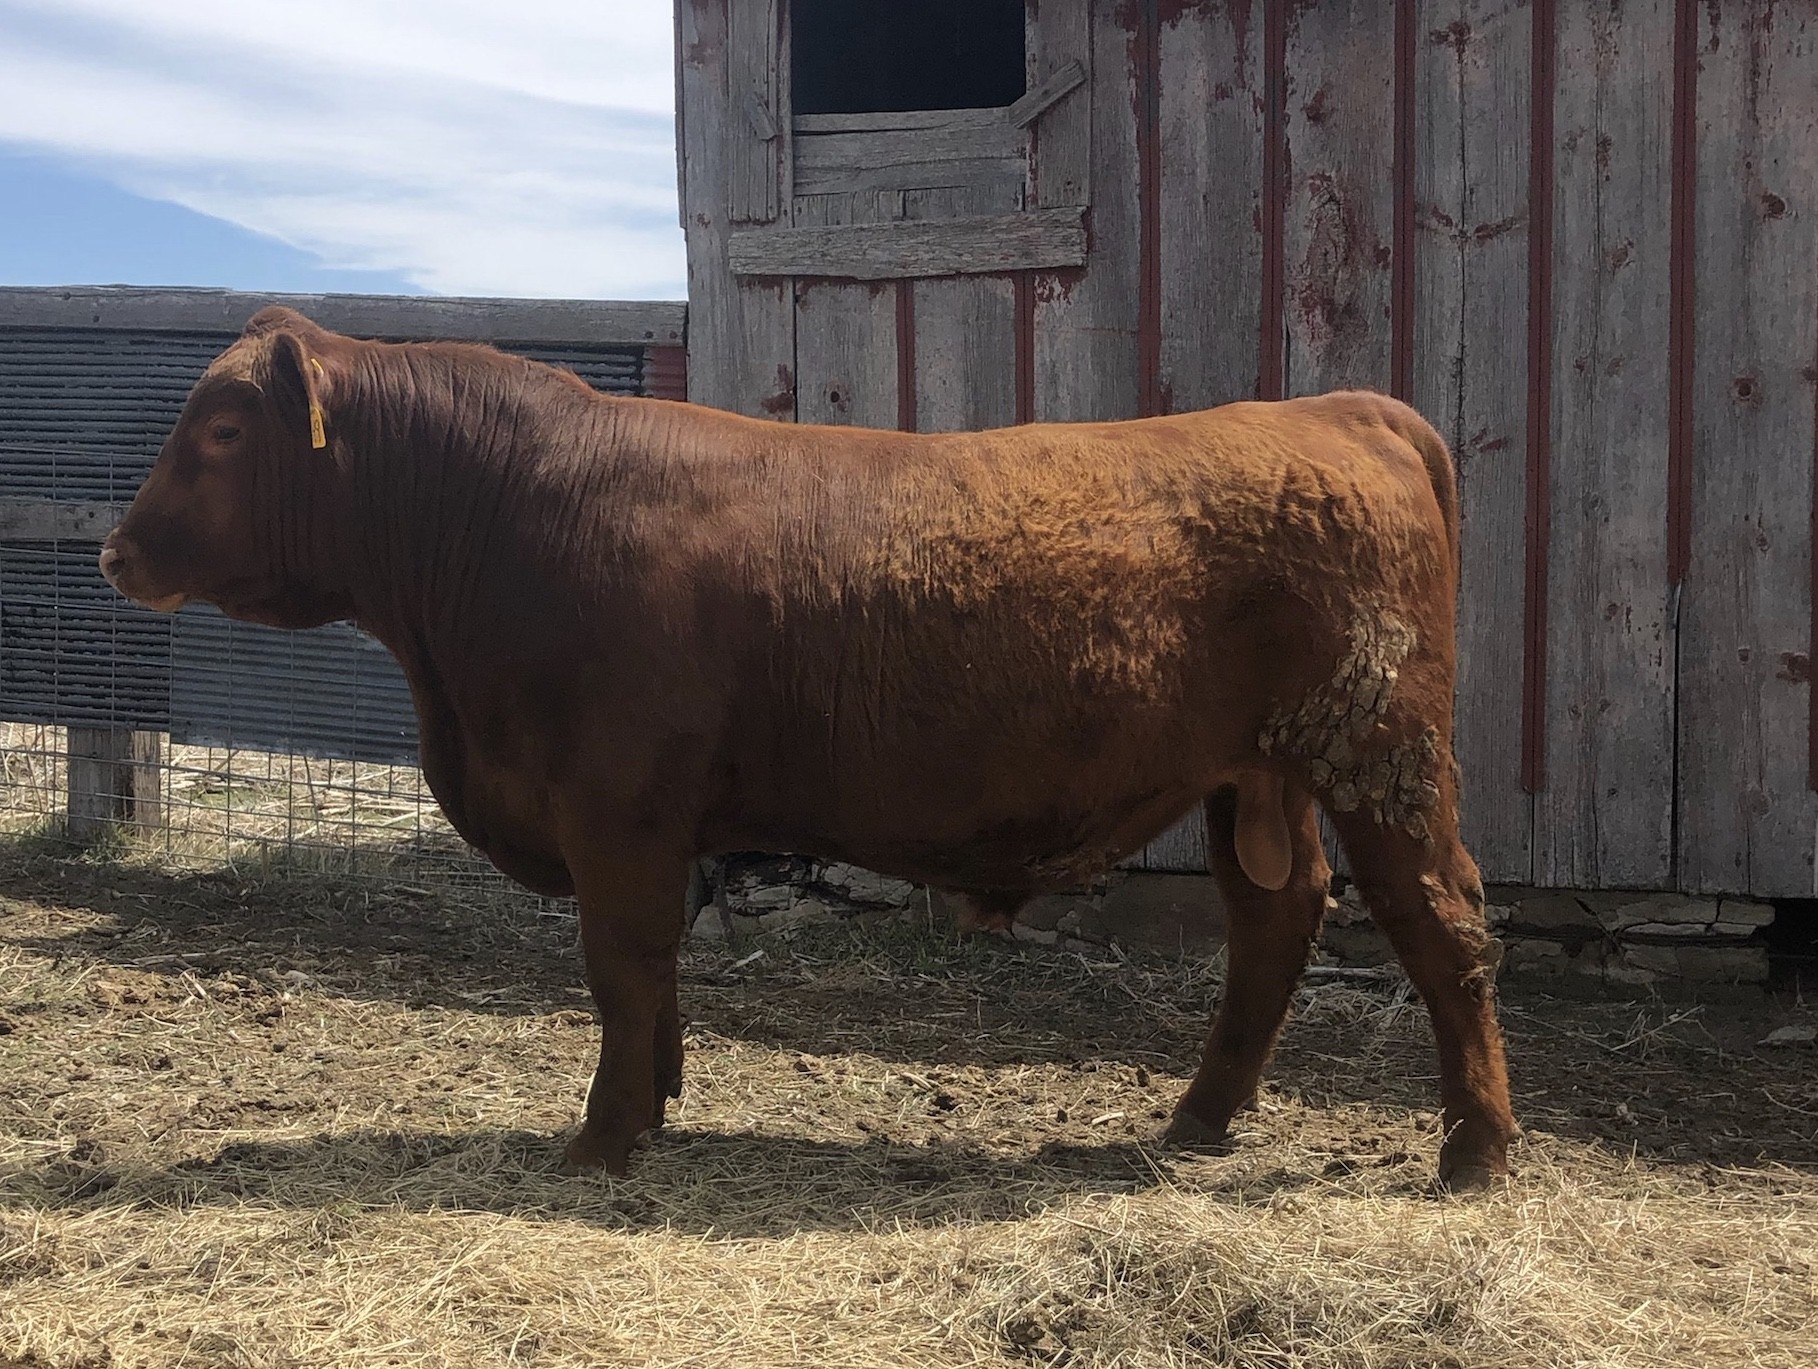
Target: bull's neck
{"points": [[450, 460]]}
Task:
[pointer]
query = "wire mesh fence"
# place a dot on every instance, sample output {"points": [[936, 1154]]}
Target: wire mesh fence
{"points": [[255, 811]]}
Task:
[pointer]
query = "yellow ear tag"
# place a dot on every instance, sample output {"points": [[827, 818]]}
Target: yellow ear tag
{"points": [[318, 438]]}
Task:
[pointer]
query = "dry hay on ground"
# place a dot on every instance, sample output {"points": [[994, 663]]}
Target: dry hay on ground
{"points": [[297, 1124]]}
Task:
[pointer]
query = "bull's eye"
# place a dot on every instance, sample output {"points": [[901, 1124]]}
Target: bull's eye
{"points": [[224, 432]]}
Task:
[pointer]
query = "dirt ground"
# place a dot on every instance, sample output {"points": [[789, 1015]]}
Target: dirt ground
{"points": [[288, 1123]]}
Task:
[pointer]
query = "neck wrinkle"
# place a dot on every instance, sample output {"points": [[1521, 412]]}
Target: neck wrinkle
{"points": [[444, 451]]}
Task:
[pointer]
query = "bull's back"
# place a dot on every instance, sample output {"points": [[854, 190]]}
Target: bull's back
{"points": [[1046, 629]]}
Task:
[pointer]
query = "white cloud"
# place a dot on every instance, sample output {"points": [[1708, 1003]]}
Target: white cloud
{"points": [[472, 147]]}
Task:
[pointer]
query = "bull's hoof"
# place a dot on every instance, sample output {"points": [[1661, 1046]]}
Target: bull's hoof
{"points": [[988, 924], [1473, 1160], [1461, 1178], [660, 1103], [1187, 1132], [589, 1152]]}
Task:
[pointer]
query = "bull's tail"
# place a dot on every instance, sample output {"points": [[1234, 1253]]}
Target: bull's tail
{"points": [[1441, 471]]}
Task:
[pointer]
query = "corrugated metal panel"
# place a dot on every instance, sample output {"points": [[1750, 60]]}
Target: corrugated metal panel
{"points": [[82, 415], [332, 691], [83, 412], [614, 370], [74, 652]]}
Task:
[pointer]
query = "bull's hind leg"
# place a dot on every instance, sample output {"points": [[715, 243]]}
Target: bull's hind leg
{"points": [[630, 935], [1269, 933], [666, 1051], [1423, 890]]}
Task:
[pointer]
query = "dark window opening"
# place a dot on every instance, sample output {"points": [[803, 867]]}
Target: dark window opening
{"points": [[880, 56]]}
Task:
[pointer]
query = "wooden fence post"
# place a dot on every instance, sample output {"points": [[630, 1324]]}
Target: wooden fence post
{"points": [[147, 781], [112, 778]]}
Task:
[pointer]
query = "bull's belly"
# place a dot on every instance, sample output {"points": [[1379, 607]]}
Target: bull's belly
{"points": [[1027, 860], [1040, 800], [507, 824], [525, 854], [1045, 836]]}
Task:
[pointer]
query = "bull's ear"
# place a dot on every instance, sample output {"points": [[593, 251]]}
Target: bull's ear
{"points": [[298, 378]]}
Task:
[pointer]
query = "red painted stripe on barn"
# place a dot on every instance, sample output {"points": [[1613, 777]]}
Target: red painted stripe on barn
{"points": [[1025, 346], [1401, 356], [1274, 199], [1540, 399], [1682, 308], [1148, 193], [1811, 720], [905, 355], [666, 372]]}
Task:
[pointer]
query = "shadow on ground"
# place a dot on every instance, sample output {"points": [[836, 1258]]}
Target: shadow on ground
{"points": [[729, 1185], [1680, 1084]]}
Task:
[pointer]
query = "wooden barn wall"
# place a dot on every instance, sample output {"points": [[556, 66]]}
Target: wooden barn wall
{"points": [[1747, 812], [741, 335], [1468, 324], [1604, 815], [1579, 238]]}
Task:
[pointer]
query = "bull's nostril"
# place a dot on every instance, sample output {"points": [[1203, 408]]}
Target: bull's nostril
{"points": [[110, 561]]}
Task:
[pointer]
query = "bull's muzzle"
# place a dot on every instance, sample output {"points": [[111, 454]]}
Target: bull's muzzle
{"points": [[117, 569], [110, 562]]}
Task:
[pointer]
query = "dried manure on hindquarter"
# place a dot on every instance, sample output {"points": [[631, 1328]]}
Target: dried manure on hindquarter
{"points": [[1337, 730]]}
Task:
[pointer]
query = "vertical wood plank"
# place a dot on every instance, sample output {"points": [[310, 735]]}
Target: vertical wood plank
{"points": [[741, 338], [757, 109], [846, 331], [1604, 818], [965, 329], [1086, 320], [1340, 129], [1179, 850], [846, 353], [1060, 142], [1746, 811], [145, 784], [1211, 202], [1470, 378], [965, 353]]}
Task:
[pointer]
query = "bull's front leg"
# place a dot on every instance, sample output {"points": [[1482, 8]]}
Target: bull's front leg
{"points": [[630, 934]]}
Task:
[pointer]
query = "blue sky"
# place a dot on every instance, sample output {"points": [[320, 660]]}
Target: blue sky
{"points": [[457, 147]]}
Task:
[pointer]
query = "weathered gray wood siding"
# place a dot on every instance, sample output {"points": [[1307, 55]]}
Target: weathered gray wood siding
{"points": [[1471, 126], [741, 335], [1637, 557], [1747, 812], [1605, 816]]}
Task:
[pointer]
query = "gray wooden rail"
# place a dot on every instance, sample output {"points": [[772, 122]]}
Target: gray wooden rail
{"points": [[641, 323]]}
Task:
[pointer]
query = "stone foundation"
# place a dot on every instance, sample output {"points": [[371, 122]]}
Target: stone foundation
{"points": [[1603, 942]]}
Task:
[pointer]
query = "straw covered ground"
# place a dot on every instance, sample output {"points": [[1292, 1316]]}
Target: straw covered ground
{"points": [[286, 1123]]}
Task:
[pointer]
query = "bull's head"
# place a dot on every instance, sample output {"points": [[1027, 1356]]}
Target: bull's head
{"points": [[238, 511]]}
